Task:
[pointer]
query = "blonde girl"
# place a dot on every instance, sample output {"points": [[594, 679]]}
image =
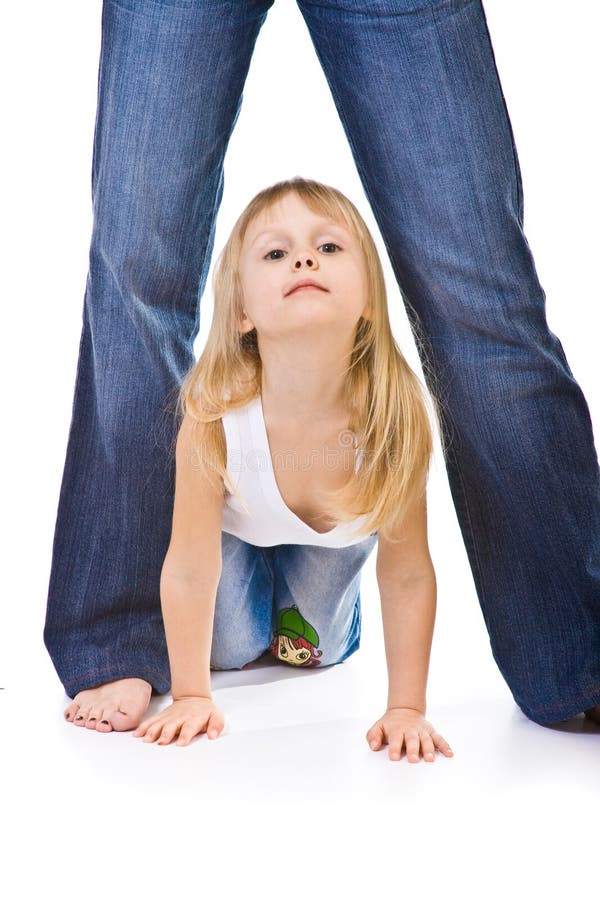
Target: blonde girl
{"points": [[305, 439]]}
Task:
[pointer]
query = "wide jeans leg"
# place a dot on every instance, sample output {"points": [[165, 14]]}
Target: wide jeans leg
{"points": [[170, 86], [419, 96]]}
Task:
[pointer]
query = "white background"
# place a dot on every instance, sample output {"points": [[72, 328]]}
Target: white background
{"points": [[290, 799]]}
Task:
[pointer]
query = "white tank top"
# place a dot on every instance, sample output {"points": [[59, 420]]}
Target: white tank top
{"points": [[267, 520]]}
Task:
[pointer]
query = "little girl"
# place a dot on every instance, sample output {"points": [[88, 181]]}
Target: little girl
{"points": [[300, 364]]}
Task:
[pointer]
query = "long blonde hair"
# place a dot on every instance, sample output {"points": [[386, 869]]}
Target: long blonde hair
{"points": [[389, 408]]}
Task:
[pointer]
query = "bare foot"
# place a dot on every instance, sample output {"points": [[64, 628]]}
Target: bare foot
{"points": [[593, 713], [114, 706]]}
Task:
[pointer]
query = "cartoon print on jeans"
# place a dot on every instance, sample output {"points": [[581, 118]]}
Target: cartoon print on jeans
{"points": [[295, 640]]}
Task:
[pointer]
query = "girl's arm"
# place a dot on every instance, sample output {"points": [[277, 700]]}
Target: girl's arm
{"points": [[192, 567], [407, 586]]}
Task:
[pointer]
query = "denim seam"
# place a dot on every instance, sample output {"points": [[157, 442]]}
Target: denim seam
{"points": [[372, 14], [459, 480], [518, 187]]}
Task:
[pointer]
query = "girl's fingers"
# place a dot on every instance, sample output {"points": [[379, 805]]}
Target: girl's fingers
{"points": [[187, 733], [442, 744], [168, 732], [141, 729], [428, 747], [146, 724], [155, 730], [215, 726], [412, 747], [373, 737], [395, 748], [152, 732], [164, 730], [424, 740]]}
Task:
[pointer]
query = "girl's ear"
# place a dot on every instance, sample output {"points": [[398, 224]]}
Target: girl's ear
{"points": [[246, 324]]}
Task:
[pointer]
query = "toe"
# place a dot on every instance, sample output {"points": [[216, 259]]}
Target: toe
{"points": [[81, 716], [593, 713], [115, 706], [122, 720], [93, 718], [71, 711], [79, 708], [103, 723]]}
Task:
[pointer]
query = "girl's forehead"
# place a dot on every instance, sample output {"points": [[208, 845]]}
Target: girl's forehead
{"points": [[274, 218]]}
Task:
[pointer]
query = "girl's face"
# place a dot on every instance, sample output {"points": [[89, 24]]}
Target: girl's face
{"points": [[286, 245]]}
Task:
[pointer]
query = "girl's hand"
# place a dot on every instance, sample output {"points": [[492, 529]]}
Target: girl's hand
{"points": [[400, 724], [187, 717]]}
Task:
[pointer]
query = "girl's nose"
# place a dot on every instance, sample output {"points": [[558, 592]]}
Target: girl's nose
{"points": [[305, 258]]}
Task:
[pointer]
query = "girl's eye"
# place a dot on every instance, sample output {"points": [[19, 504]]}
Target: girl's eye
{"points": [[327, 244]]}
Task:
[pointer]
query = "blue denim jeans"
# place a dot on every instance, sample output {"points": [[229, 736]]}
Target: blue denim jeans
{"points": [[301, 603], [417, 90]]}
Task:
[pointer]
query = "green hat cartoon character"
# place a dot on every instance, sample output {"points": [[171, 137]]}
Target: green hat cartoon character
{"points": [[295, 640]]}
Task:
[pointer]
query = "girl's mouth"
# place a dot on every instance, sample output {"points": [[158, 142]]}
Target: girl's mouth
{"points": [[306, 287]]}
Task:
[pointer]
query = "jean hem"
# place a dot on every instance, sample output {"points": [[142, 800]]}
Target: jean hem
{"points": [[564, 711], [97, 677]]}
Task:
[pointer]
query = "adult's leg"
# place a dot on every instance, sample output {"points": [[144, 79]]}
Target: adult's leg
{"points": [[418, 93], [170, 86]]}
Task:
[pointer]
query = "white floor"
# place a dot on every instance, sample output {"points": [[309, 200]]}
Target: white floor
{"points": [[290, 798]]}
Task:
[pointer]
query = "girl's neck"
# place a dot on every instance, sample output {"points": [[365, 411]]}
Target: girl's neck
{"points": [[308, 396]]}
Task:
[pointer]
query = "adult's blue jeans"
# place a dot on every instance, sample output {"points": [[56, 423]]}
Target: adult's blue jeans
{"points": [[417, 90]]}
